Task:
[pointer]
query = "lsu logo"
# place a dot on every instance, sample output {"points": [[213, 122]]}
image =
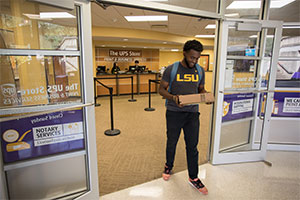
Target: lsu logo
{"points": [[225, 108], [187, 78]]}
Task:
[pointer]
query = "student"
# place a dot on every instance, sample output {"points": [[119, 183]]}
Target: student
{"points": [[115, 68], [183, 117]]}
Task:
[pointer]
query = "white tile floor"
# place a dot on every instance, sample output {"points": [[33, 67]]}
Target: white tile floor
{"points": [[235, 182]]}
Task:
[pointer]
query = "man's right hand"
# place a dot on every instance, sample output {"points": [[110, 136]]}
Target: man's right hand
{"points": [[175, 98]]}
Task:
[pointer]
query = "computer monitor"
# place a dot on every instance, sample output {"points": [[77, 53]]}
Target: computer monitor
{"points": [[141, 68], [101, 69], [132, 68]]}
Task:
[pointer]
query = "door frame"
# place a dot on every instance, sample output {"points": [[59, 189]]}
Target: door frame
{"points": [[246, 156]]}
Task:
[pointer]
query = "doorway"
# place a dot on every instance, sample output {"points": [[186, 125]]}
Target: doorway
{"points": [[137, 155]]}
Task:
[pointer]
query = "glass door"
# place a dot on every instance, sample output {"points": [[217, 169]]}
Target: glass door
{"points": [[47, 125], [247, 57]]}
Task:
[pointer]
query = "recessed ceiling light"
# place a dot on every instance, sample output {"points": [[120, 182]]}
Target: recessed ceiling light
{"points": [[210, 26], [232, 15], [255, 36], [56, 15], [204, 36], [125, 39], [164, 42], [156, 0], [290, 27], [147, 18], [124, 46], [174, 49], [34, 16], [103, 45], [257, 4]]}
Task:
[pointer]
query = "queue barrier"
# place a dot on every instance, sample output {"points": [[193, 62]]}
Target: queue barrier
{"points": [[117, 77], [111, 131], [149, 106]]}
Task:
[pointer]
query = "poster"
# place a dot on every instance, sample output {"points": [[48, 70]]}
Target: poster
{"points": [[42, 135], [285, 104], [237, 106]]}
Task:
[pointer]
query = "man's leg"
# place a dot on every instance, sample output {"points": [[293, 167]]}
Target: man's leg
{"points": [[174, 125], [191, 137]]}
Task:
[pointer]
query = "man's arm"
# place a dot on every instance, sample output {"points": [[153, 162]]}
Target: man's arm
{"points": [[163, 91]]}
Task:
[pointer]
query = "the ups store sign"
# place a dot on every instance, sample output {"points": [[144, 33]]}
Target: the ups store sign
{"points": [[125, 53]]}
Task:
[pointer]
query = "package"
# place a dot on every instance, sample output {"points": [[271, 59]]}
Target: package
{"points": [[196, 98]]}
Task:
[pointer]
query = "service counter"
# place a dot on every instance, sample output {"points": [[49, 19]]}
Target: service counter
{"points": [[121, 83]]}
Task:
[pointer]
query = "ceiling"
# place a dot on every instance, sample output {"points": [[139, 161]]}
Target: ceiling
{"points": [[113, 16]]}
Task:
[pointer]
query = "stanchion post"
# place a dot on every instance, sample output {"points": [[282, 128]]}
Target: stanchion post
{"points": [[132, 99], [149, 108], [95, 92], [112, 131]]}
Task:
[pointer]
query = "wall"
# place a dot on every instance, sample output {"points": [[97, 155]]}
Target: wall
{"points": [[146, 57]]}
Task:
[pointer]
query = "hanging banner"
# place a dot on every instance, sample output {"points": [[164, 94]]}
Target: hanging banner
{"points": [[42, 135], [237, 106]]}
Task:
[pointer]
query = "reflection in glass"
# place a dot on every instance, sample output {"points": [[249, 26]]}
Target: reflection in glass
{"points": [[240, 74], [242, 43], [290, 46], [36, 80], [207, 5], [27, 29], [288, 70], [239, 136], [242, 9], [269, 42]]}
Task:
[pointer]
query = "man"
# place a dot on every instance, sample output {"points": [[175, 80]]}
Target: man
{"points": [[186, 81], [138, 68]]}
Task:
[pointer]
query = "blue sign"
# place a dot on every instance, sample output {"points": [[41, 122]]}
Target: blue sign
{"points": [[285, 104], [237, 106], [42, 135]]}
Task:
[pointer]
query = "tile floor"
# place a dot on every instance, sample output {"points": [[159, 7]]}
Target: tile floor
{"points": [[235, 182]]}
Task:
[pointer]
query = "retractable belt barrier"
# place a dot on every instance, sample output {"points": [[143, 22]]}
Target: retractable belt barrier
{"points": [[111, 131], [95, 88], [154, 81]]}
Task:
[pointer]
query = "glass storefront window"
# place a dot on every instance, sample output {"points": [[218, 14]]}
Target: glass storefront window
{"points": [[37, 26], [39, 80], [286, 13], [288, 66]]}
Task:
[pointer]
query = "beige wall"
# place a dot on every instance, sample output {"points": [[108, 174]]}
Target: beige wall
{"points": [[165, 57], [148, 58]]}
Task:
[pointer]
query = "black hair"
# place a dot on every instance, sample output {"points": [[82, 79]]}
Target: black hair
{"points": [[136, 61], [193, 44]]}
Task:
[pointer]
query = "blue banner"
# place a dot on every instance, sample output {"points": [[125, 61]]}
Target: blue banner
{"points": [[285, 104], [237, 106], [42, 135]]}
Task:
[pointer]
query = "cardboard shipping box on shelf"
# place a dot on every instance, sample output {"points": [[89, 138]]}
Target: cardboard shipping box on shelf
{"points": [[196, 98]]}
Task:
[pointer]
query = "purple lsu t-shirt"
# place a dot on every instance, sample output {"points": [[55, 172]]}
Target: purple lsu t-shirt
{"points": [[185, 82]]}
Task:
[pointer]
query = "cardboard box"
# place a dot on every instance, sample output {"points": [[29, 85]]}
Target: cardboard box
{"points": [[196, 98]]}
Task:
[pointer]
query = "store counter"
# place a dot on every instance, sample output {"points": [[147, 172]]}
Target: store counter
{"points": [[121, 83]]}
